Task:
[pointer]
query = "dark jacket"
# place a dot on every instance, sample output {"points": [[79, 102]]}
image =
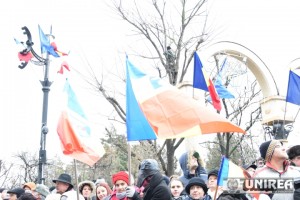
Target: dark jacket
{"points": [[225, 196], [297, 189], [206, 197], [200, 171], [157, 189], [183, 196]]}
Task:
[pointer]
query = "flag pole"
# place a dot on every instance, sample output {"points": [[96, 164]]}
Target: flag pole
{"points": [[76, 179], [215, 196], [297, 114], [129, 163], [284, 113]]}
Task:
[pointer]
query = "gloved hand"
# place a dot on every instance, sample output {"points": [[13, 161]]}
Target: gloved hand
{"points": [[130, 191]]}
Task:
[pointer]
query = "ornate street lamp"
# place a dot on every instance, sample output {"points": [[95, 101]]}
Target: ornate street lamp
{"points": [[277, 122], [26, 55]]}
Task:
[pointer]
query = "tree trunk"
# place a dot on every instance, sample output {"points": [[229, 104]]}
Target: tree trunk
{"points": [[170, 157]]}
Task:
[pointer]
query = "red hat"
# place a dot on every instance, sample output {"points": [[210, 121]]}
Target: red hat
{"points": [[122, 175]]}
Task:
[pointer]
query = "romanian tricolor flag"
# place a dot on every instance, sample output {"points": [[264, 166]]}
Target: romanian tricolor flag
{"points": [[229, 170], [156, 108], [75, 134], [201, 81], [231, 177]]}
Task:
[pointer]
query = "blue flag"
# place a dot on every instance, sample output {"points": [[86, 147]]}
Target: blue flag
{"points": [[45, 44], [222, 91], [199, 80], [138, 128], [293, 91]]}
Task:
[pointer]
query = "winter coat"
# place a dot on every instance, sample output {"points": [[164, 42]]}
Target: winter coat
{"points": [[200, 171], [157, 189], [72, 195], [268, 171], [206, 197], [182, 196], [225, 196]]}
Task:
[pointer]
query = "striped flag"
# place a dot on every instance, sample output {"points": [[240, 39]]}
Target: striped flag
{"points": [[75, 134]]}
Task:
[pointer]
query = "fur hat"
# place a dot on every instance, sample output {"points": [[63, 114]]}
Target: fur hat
{"points": [[267, 149], [65, 178], [294, 151], [122, 175], [196, 181], [84, 183]]}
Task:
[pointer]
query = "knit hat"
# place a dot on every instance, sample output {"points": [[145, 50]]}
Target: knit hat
{"points": [[293, 152], [267, 149], [213, 172], [196, 181], [42, 189], [122, 175], [18, 191], [31, 185]]}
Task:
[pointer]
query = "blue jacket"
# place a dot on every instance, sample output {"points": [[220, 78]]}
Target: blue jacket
{"points": [[200, 171]]}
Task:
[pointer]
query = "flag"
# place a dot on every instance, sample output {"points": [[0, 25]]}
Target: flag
{"points": [[60, 53], [293, 91], [201, 82], [221, 89], [63, 65], [45, 44], [169, 112], [230, 170], [25, 57], [75, 134], [138, 128]]}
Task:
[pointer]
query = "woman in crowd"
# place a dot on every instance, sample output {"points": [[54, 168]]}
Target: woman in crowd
{"points": [[102, 191], [87, 189], [177, 189], [121, 182]]}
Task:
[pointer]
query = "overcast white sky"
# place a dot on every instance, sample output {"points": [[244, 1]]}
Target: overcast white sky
{"points": [[269, 28]]}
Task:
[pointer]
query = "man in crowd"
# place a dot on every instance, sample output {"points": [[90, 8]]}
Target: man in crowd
{"points": [[64, 187], [151, 183], [15, 193], [294, 155], [276, 167]]}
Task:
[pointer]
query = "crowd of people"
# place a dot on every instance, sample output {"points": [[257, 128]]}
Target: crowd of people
{"points": [[195, 183]]}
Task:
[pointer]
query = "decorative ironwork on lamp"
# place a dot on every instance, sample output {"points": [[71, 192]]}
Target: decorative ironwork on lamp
{"points": [[278, 130]]}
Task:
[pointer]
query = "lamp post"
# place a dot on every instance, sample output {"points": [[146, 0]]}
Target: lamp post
{"points": [[26, 55], [277, 121]]}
